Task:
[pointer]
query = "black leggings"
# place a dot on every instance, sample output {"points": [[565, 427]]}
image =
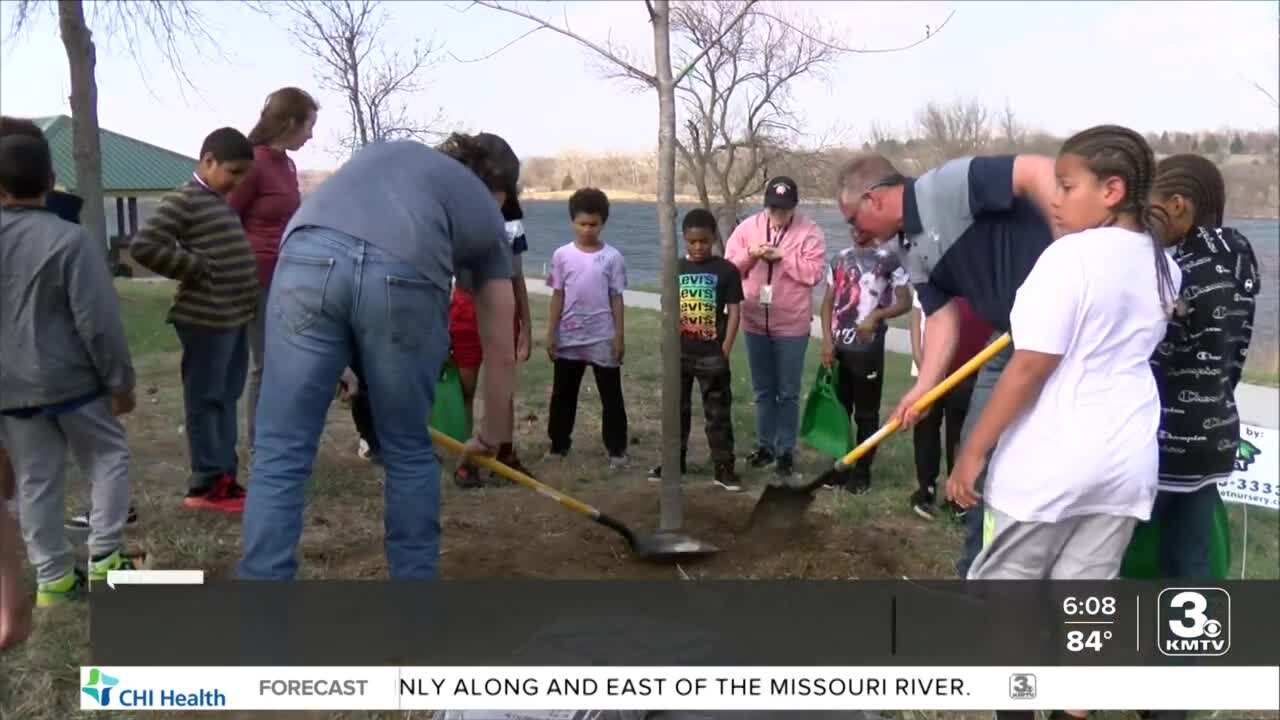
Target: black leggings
{"points": [[564, 405]]}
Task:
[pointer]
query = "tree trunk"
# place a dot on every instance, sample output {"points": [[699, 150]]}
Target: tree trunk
{"points": [[672, 502], [86, 146]]}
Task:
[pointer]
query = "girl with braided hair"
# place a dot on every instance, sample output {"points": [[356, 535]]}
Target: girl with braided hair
{"points": [[1200, 361], [1076, 410]]}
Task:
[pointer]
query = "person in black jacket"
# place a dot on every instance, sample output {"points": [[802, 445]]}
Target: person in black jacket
{"points": [[1201, 360]]}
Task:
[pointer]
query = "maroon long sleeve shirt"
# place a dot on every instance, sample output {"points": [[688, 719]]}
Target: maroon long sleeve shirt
{"points": [[265, 200]]}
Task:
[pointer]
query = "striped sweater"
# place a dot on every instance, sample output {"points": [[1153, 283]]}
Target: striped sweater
{"points": [[196, 238]]}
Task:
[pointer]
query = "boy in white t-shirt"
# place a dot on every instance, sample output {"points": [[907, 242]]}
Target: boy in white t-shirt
{"points": [[1077, 409]]}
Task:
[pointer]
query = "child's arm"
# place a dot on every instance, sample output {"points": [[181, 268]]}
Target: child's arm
{"points": [[523, 315], [555, 309], [828, 306], [95, 309], [619, 336], [156, 245], [734, 312]]}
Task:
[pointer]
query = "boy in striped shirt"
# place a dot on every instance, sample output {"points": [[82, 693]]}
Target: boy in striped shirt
{"points": [[194, 237]]}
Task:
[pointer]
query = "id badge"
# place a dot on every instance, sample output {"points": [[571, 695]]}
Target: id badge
{"points": [[766, 295]]}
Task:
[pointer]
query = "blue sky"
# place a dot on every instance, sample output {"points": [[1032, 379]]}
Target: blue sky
{"points": [[1062, 66]]}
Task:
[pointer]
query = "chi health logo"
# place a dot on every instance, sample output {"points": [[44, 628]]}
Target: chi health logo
{"points": [[99, 687]]}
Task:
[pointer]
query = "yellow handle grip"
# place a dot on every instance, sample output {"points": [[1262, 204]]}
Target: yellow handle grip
{"points": [[960, 375], [514, 475]]}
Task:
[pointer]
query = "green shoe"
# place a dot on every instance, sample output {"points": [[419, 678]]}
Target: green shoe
{"points": [[117, 560], [64, 589]]}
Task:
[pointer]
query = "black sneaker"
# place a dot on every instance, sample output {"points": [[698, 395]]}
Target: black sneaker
{"points": [[760, 458], [957, 513], [727, 478], [783, 468], [922, 504], [857, 485], [81, 521], [468, 477], [655, 474]]}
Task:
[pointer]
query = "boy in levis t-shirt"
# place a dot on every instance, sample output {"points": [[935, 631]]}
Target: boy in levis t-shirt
{"points": [[710, 292], [866, 285]]}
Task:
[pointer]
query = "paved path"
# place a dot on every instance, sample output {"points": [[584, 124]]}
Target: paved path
{"points": [[1259, 405]]}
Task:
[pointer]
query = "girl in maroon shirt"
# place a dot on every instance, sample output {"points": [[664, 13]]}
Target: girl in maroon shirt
{"points": [[266, 199]]}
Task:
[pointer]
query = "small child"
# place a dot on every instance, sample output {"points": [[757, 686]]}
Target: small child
{"points": [[1199, 364], [710, 293], [65, 376], [585, 327], [196, 238], [1076, 410], [464, 338], [952, 408], [866, 285]]}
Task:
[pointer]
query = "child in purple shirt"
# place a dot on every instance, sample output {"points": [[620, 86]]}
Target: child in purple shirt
{"points": [[585, 327]]}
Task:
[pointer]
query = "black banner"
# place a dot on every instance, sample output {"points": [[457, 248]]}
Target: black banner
{"points": [[730, 623]]}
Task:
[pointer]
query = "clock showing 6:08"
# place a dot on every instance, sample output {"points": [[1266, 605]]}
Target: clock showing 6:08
{"points": [[1091, 606]]}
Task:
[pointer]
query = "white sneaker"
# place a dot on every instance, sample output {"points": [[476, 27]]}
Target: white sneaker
{"points": [[621, 462], [363, 450]]}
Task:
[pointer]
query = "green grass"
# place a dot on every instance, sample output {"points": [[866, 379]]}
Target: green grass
{"points": [[38, 681]]}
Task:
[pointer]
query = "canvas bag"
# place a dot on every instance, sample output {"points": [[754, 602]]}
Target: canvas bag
{"points": [[449, 413], [825, 424]]}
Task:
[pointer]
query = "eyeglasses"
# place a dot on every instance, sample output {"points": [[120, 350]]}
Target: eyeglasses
{"points": [[852, 218]]}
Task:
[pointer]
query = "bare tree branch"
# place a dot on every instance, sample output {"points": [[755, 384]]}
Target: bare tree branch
{"points": [[929, 33], [697, 58], [504, 47], [1258, 86]]}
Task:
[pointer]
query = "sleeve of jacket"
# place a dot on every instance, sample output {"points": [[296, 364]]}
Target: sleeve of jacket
{"points": [[156, 245], [1240, 330], [735, 248], [95, 308], [807, 264]]}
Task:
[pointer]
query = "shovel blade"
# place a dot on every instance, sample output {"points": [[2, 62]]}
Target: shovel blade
{"points": [[670, 546], [783, 506]]}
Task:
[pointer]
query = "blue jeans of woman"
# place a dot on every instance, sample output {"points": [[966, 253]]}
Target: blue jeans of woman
{"points": [[777, 368], [334, 298]]}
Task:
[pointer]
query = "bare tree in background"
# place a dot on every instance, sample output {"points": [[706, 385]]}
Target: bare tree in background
{"points": [[345, 38], [171, 26], [954, 130]]}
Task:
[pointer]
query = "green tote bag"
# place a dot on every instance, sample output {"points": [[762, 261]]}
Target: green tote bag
{"points": [[449, 414], [825, 425], [1142, 558]]}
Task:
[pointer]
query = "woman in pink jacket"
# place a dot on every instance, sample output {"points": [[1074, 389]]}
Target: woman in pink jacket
{"points": [[781, 256]]}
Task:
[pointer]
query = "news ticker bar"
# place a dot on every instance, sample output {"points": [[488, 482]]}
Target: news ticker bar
{"points": [[678, 688], [706, 623]]}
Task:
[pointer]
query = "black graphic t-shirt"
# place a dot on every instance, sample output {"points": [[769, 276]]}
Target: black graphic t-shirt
{"points": [[1201, 360], [705, 289]]}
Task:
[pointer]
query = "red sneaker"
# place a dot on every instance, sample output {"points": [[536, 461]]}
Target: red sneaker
{"points": [[225, 496]]}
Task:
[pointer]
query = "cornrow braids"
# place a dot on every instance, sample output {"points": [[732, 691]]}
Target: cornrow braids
{"points": [[1198, 180], [1114, 151]]}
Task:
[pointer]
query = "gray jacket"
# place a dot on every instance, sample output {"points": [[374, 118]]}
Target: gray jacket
{"points": [[61, 337]]}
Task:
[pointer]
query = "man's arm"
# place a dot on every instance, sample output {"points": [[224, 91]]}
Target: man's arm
{"points": [[495, 313], [916, 346], [95, 309], [1035, 179], [156, 245]]}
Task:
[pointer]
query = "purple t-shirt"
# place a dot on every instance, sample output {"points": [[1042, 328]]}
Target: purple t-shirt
{"points": [[589, 280]]}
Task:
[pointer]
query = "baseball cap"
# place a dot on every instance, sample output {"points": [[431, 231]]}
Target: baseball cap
{"points": [[508, 165], [781, 192]]}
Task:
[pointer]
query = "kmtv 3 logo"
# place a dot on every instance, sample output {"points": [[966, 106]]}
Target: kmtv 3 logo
{"points": [[1022, 686], [1194, 622], [99, 687]]}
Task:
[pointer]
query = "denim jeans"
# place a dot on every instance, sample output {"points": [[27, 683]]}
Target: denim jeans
{"points": [[1186, 532], [985, 384], [777, 367], [215, 363], [333, 298]]}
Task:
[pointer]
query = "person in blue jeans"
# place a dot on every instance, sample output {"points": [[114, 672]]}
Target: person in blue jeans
{"points": [[364, 275]]}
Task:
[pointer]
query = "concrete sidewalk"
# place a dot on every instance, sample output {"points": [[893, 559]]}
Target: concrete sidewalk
{"points": [[1258, 405]]}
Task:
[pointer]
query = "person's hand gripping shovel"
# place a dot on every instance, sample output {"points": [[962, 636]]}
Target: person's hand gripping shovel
{"points": [[783, 505]]}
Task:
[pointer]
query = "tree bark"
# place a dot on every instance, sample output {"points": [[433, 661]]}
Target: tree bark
{"points": [[672, 503], [86, 146]]}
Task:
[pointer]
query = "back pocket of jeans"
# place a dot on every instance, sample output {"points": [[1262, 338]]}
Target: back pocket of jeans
{"points": [[298, 290], [414, 308]]}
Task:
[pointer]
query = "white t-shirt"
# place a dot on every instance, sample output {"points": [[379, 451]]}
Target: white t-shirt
{"points": [[1088, 444], [916, 307]]}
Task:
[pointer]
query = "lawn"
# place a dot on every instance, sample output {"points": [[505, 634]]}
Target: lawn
{"points": [[507, 531]]}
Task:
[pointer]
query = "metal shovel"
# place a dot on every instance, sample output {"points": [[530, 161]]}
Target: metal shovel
{"points": [[783, 504], [660, 546]]}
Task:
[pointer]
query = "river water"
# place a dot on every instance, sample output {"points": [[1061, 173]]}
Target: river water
{"points": [[633, 229]]}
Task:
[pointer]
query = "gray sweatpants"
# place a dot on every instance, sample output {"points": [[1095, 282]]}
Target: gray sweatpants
{"points": [[38, 448], [1088, 547], [257, 345]]}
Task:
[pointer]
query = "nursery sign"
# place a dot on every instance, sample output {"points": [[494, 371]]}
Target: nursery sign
{"points": [[1256, 480]]}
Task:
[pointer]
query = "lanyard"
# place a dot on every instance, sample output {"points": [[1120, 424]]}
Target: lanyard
{"points": [[768, 233]]}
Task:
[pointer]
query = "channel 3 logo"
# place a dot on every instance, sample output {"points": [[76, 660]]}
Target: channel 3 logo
{"points": [[1194, 622]]}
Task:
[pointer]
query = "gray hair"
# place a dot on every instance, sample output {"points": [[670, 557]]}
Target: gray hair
{"points": [[867, 171]]}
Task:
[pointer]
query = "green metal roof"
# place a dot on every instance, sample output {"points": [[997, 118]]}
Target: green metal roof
{"points": [[128, 165]]}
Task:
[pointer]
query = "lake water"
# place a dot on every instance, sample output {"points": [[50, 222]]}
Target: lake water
{"points": [[633, 229]]}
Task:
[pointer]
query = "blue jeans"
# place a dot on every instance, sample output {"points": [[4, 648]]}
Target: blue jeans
{"points": [[1186, 532], [983, 386], [335, 298], [777, 367], [215, 363]]}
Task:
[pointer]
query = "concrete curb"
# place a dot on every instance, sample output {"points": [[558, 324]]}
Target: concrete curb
{"points": [[1259, 405]]}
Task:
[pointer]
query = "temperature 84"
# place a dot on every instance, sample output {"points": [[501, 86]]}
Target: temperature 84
{"points": [[1079, 640]]}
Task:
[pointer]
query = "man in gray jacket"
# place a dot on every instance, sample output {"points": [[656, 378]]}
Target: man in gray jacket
{"points": [[65, 375]]}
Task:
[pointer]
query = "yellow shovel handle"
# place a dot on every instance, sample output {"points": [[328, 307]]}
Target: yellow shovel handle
{"points": [[942, 388], [514, 475]]}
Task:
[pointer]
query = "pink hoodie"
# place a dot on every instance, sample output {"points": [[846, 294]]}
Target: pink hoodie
{"points": [[794, 276]]}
